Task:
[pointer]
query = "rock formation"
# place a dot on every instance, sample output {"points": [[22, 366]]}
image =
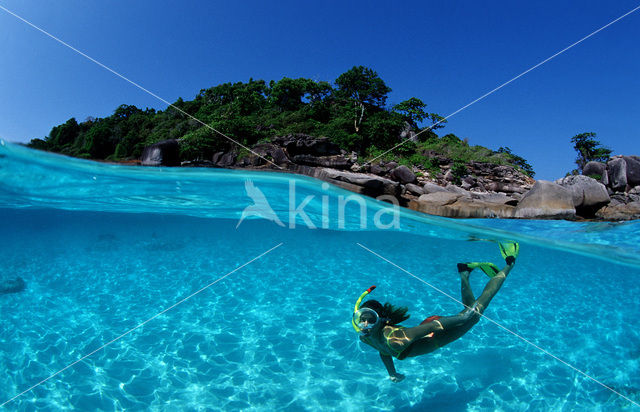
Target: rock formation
{"points": [[546, 200], [165, 153], [605, 191], [11, 284]]}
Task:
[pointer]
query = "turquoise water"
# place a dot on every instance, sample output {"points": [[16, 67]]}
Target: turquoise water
{"points": [[104, 248]]}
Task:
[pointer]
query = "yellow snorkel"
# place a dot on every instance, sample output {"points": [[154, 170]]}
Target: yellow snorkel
{"points": [[365, 293]]}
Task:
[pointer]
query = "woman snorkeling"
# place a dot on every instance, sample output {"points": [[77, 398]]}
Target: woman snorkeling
{"points": [[378, 325]]}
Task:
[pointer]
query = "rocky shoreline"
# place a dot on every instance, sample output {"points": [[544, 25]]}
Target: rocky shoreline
{"points": [[608, 191]]}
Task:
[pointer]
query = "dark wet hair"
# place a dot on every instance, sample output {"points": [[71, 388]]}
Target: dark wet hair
{"points": [[394, 314]]}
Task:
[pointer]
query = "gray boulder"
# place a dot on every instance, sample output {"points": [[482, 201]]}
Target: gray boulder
{"points": [[367, 184], [468, 182], [633, 170], [298, 143], [280, 157], [588, 194], [439, 198], [546, 200], [414, 189], [226, 159], [377, 169], [450, 204], [432, 187], [617, 170], [165, 153], [11, 284], [337, 161], [497, 198], [458, 190], [403, 175], [503, 187], [597, 168], [620, 211]]}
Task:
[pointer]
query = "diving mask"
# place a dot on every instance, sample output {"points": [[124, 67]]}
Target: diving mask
{"points": [[366, 319]]}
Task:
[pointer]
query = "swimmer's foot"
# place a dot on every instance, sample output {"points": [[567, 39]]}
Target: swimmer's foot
{"points": [[509, 251], [463, 267]]}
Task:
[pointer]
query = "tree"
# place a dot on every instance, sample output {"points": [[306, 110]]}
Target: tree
{"points": [[589, 149], [518, 161], [364, 88], [287, 93], [413, 111], [63, 135]]}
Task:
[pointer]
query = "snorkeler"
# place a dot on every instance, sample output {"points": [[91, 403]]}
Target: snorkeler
{"points": [[378, 325]]}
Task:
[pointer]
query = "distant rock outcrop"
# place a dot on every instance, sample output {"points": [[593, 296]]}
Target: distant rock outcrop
{"points": [[483, 190], [621, 179], [165, 153], [11, 284]]}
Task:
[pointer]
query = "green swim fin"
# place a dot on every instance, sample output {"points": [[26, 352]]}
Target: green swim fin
{"points": [[487, 267], [509, 251]]}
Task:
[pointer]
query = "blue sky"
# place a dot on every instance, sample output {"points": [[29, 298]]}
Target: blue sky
{"points": [[445, 53]]}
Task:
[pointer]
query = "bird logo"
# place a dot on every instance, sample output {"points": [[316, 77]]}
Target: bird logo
{"points": [[260, 206]]}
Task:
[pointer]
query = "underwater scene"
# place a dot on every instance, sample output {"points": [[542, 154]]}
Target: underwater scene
{"points": [[167, 289]]}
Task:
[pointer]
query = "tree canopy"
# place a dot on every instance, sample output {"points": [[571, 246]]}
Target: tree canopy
{"points": [[352, 112], [589, 150]]}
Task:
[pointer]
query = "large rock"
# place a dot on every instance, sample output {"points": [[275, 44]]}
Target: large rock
{"points": [[378, 169], [458, 190], [449, 204], [633, 170], [620, 211], [403, 175], [370, 185], [336, 162], [225, 159], [497, 198], [588, 194], [414, 189], [439, 198], [546, 200], [302, 144], [597, 169], [11, 284], [504, 187], [280, 157], [165, 153], [432, 187], [617, 170]]}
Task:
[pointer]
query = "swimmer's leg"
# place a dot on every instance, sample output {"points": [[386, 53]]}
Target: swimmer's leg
{"points": [[492, 287], [465, 288], [454, 327]]}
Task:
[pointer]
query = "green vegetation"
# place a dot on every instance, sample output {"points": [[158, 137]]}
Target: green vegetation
{"points": [[352, 113], [588, 150]]}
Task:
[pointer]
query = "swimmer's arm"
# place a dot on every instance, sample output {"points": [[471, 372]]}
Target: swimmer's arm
{"points": [[391, 369]]}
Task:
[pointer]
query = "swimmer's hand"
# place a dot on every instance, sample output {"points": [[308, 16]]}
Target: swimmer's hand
{"points": [[396, 377]]}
